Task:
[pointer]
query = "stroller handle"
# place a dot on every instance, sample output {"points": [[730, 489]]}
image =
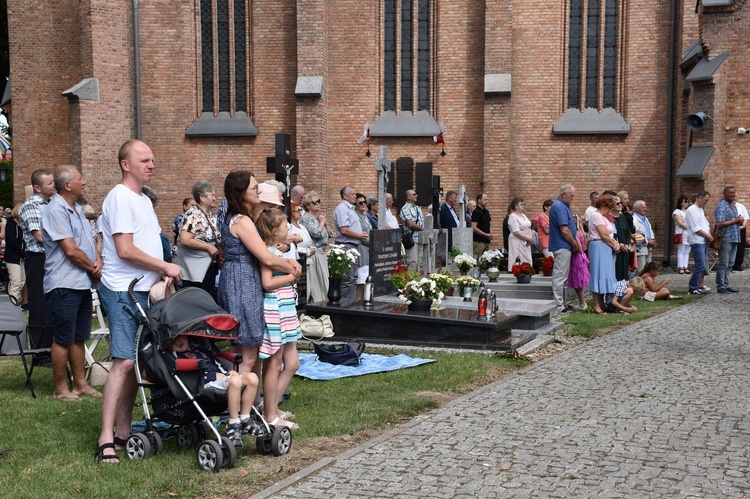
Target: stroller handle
{"points": [[131, 286]]}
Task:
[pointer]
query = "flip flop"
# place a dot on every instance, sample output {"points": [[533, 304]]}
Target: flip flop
{"points": [[91, 392], [597, 312], [67, 398]]}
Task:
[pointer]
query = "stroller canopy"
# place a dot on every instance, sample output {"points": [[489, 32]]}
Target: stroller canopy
{"points": [[191, 310]]}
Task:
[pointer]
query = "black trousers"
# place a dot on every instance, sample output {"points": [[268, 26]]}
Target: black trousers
{"points": [[740, 250], [40, 322]]}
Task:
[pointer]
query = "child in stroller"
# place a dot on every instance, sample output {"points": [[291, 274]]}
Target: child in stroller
{"points": [[238, 389]]}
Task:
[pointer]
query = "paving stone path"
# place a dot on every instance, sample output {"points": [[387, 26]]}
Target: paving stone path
{"points": [[657, 409]]}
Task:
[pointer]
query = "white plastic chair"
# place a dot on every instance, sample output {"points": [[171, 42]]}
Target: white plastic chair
{"points": [[100, 334]]}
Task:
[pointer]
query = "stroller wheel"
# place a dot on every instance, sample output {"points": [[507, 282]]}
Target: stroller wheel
{"points": [[230, 453], [281, 441], [187, 436], [209, 456], [158, 444], [138, 446], [263, 444]]}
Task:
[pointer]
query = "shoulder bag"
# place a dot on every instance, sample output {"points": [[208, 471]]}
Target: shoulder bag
{"points": [[716, 243], [313, 328], [347, 354]]}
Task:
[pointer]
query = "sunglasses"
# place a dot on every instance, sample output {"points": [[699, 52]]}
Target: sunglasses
{"points": [[315, 202], [619, 204], [360, 202]]}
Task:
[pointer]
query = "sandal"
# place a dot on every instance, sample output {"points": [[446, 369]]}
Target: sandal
{"points": [[287, 416], [250, 427], [120, 443], [67, 398], [100, 457], [674, 297], [281, 422]]}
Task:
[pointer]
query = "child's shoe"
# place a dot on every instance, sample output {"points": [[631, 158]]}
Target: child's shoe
{"points": [[234, 433], [251, 427]]}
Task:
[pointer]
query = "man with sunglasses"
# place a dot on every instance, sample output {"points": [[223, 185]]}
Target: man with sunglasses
{"points": [[349, 234]]}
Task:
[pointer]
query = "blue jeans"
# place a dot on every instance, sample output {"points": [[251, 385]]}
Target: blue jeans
{"points": [[700, 253], [727, 254]]}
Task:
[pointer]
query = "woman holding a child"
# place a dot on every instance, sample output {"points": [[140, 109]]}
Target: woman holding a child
{"points": [[240, 289]]}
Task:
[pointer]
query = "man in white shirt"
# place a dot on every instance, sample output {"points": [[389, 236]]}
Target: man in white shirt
{"points": [[740, 258], [390, 219], [131, 246], [699, 235]]}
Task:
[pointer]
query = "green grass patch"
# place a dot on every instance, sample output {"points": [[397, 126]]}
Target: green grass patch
{"points": [[587, 323], [53, 442]]}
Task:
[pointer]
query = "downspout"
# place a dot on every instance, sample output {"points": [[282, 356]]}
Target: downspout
{"points": [[137, 55], [670, 132]]}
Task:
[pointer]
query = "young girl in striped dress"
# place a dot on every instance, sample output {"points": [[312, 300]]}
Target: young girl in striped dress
{"points": [[282, 326]]}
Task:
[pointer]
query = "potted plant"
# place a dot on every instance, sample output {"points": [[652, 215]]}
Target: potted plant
{"points": [[523, 272], [549, 263], [454, 252], [466, 281], [490, 260], [444, 281], [420, 294], [464, 262], [340, 263], [401, 274]]}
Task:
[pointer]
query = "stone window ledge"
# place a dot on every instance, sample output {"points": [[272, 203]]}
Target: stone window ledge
{"points": [[223, 125], [591, 122], [405, 124]]}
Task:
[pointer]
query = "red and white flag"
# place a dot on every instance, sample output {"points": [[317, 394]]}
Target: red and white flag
{"points": [[365, 134], [440, 137]]}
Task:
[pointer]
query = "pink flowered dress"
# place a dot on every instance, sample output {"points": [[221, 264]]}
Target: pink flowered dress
{"points": [[579, 276]]}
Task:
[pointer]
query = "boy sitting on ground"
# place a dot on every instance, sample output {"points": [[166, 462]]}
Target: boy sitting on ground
{"points": [[619, 301], [238, 389]]}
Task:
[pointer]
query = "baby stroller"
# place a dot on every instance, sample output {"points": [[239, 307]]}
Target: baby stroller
{"points": [[176, 385]]}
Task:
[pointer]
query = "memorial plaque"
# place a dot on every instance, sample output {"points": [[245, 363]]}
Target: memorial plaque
{"points": [[385, 252]]}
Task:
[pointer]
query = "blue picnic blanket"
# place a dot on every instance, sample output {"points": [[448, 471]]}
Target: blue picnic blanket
{"points": [[311, 367]]}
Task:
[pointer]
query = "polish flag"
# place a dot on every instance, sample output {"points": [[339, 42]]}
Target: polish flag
{"points": [[440, 137], [365, 134]]}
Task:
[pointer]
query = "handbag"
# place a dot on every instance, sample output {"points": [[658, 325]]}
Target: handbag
{"points": [[313, 328], [347, 354], [716, 243], [677, 239], [407, 239]]}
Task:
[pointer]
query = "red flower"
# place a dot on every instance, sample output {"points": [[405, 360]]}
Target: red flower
{"points": [[522, 268], [549, 262]]}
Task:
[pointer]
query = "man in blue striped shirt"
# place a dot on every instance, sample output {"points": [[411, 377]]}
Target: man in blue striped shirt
{"points": [[728, 222]]}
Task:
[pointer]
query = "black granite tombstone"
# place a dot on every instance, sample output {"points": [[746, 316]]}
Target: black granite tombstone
{"points": [[385, 251]]}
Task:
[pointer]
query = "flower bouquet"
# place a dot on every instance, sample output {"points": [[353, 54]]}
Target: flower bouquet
{"points": [[340, 261], [400, 275], [465, 281], [455, 251], [549, 263], [444, 280], [423, 289], [465, 262], [491, 258]]}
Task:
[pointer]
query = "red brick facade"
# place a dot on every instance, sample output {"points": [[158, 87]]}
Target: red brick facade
{"points": [[499, 143]]}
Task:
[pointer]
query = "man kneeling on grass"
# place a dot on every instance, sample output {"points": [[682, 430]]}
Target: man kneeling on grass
{"points": [[619, 301]]}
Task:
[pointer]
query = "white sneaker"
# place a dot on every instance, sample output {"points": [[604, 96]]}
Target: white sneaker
{"points": [[705, 288]]}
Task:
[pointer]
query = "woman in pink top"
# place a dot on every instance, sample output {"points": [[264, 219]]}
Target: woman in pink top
{"points": [[540, 224], [602, 251]]}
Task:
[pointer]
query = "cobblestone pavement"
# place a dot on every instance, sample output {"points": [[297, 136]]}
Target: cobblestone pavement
{"points": [[657, 409]]}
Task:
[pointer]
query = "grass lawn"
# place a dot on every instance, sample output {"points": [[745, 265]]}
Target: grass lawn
{"points": [[52, 442]]}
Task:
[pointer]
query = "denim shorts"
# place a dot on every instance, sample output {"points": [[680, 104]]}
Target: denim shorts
{"points": [[70, 310], [122, 327]]}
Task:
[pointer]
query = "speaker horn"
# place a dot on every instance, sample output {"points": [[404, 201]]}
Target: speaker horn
{"points": [[697, 120]]}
